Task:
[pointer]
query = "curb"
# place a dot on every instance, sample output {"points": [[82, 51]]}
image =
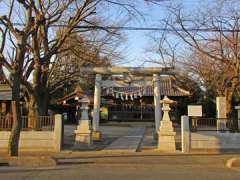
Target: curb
{"points": [[233, 162], [3, 163], [28, 161]]}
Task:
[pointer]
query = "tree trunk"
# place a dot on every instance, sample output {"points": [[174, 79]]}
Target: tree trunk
{"points": [[229, 92], [41, 91], [229, 105], [31, 113], [42, 101], [17, 120], [38, 106]]}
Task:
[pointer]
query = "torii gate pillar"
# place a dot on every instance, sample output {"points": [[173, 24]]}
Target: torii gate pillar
{"points": [[96, 135], [157, 98]]}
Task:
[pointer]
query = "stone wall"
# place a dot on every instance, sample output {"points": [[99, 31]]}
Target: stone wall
{"points": [[215, 140], [207, 140], [36, 140]]}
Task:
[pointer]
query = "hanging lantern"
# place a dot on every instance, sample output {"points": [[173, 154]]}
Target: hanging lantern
{"points": [[76, 98]]}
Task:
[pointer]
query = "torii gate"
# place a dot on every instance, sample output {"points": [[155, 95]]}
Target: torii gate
{"points": [[155, 72]]}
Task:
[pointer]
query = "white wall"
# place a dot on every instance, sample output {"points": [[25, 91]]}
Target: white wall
{"points": [[207, 140], [215, 140], [36, 140]]}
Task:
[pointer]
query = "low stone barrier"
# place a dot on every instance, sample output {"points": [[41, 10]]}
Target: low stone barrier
{"points": [[36, 140], [207, 140], [215, 140]]}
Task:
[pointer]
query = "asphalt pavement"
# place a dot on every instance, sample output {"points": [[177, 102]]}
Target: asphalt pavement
{"points": [[130, 167]]}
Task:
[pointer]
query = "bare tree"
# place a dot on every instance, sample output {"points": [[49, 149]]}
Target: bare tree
{"points": [[212, 39], [15, 63], [29, 30], [33, 47], [79, 51]]}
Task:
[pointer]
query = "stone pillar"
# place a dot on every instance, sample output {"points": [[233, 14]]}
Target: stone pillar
{"points": [[166, 134], [238, 116], [96, 108], [157, 98], [83, 138], [221, 109], [58, 129], [185, 134]]}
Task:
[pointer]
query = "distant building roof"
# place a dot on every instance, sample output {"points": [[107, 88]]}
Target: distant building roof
{"points": [[78, 92], [168, 87], [5, 89]]}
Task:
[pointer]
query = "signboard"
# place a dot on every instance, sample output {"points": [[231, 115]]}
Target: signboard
{"points": [[195, 110]]}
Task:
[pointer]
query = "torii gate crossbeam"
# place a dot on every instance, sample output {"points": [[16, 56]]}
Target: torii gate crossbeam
{"points": [[155, 72]]}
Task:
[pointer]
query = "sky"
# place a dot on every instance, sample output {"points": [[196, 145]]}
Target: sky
{"points": [[138, 43]]}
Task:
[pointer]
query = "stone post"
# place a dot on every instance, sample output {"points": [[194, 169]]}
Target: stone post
{"points": [[221, 107], [185, 134], [157, 98], [96, 108], [238, 116], [166, 134], [58, 128], [83, 138]]}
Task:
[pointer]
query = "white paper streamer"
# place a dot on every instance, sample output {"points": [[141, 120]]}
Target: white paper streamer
{"points": [[107, 91], [112, 91], [122, 97], [131, 96]]}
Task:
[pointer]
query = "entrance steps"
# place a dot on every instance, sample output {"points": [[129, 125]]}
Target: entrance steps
{"points": [[129, 143]]}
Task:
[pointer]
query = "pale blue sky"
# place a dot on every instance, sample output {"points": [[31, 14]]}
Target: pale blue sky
{"points": [[138, 41]]}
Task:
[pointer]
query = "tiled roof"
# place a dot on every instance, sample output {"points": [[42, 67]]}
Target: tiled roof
{"points": [[167, 87], [78, 92]]}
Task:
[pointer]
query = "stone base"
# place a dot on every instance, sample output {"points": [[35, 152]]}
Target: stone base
{"points": [[83, 141], [83, 137], [82, 146], [96, 135], [166, 137], [167, 143]]}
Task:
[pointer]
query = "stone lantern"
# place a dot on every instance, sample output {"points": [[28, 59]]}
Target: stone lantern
{"points": [[166, 133], [83, 138]]}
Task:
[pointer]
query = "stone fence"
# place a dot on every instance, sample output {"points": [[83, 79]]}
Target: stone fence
{"points": [[47, 140], [207, 140]]}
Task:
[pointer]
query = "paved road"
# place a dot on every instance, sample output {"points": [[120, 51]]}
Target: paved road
{"points": [[124, 172], [130, 168]]}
